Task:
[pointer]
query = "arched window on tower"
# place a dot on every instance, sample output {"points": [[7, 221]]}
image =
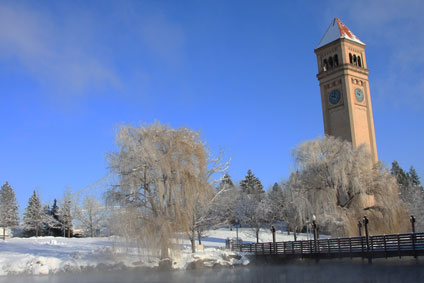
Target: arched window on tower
{"points": [[359, 61], [354, 60], [325, 65], [336, 60], [350, 58], [330, 62]]}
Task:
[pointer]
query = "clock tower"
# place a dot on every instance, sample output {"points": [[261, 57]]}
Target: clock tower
{"points": [[345, 92]]}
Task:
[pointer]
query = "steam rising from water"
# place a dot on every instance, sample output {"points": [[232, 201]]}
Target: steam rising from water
{"points": [[405, 270]]}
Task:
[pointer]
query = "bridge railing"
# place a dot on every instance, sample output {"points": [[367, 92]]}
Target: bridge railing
{"points": [[399, 243]]}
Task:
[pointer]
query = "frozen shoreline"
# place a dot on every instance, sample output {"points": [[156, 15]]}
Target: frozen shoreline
{"points": [[50, 255]]}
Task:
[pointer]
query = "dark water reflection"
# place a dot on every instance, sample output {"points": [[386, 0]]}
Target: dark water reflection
{"points": [[330, 271]]}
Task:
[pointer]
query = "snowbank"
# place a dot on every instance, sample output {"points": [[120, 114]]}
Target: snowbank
{"points": [[48, 255]]}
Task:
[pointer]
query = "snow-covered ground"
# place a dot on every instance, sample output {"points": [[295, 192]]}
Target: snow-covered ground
{"points": [[47, 255]]}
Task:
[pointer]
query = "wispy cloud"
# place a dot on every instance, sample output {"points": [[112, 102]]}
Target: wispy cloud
{"points": [[77, 51], [51, 55]]}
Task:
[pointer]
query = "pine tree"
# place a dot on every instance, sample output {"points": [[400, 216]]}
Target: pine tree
{"points": [[34, 216], [225, 200], [225, 182], [47, 220], [251, 184], [276, 188], [8, 208], [395, 168], [413, 177], [275, 204], [399, 173], [57, 227]]}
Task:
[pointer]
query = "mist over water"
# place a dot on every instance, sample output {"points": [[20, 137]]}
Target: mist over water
{"points": [[404, 270]]}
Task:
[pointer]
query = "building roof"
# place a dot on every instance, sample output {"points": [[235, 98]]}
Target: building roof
{"points": [[337, 30]]}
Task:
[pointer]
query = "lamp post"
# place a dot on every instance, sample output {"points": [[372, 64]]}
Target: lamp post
{"points": [[314, 226], [412, 220], [365, 220], [237, 224]]}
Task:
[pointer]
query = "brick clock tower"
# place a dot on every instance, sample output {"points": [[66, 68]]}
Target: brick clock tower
{"points": [[345, 92]]}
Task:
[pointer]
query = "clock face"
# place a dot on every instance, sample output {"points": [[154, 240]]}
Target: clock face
{"points": [[359, 94], [334, 96]]}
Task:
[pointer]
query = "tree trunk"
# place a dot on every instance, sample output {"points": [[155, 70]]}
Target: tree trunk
{"points": [[193, 241], [91, 225], [164, 249], [199, 237], [4, 233], [164, 243], [257, 235]]}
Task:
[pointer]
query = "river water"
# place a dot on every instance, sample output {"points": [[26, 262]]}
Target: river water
{"points": [[328, 271]]}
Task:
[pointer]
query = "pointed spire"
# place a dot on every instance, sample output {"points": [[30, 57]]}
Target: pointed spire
{"points": [[337, 30]]}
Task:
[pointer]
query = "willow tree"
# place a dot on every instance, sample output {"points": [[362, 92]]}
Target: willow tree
{"points": [[339, 184], [163, 176]]}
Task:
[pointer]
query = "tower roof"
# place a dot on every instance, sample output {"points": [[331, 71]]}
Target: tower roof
{"points": [[337, 30]]}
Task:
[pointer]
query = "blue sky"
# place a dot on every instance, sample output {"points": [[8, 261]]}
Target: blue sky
{"points": [[243, 73]]}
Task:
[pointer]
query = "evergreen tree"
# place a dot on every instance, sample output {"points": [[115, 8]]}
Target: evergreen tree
{"points": [[8, 208], [275, 204], [276, 188], [57, 227], [225, 200], [413, 177], [401, 176], [34, 216], [251, 184], [225, 182], [47, 220]]}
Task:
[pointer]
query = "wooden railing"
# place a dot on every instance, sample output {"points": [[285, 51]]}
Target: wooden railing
{"points": [[411, 244]]}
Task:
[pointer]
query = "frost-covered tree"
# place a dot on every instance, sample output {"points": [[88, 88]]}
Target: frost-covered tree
{"points": [[55, 225], [163, 176], [411, 192], [8, 208], [225, 200], [275, 200], [47, 220], [66, 217], [91, 215], [34, 216], [339, 184], [225, 183], [413, 177], [218, 210], [251, 211], [51, 221], [401, 176], [251, 184]]}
